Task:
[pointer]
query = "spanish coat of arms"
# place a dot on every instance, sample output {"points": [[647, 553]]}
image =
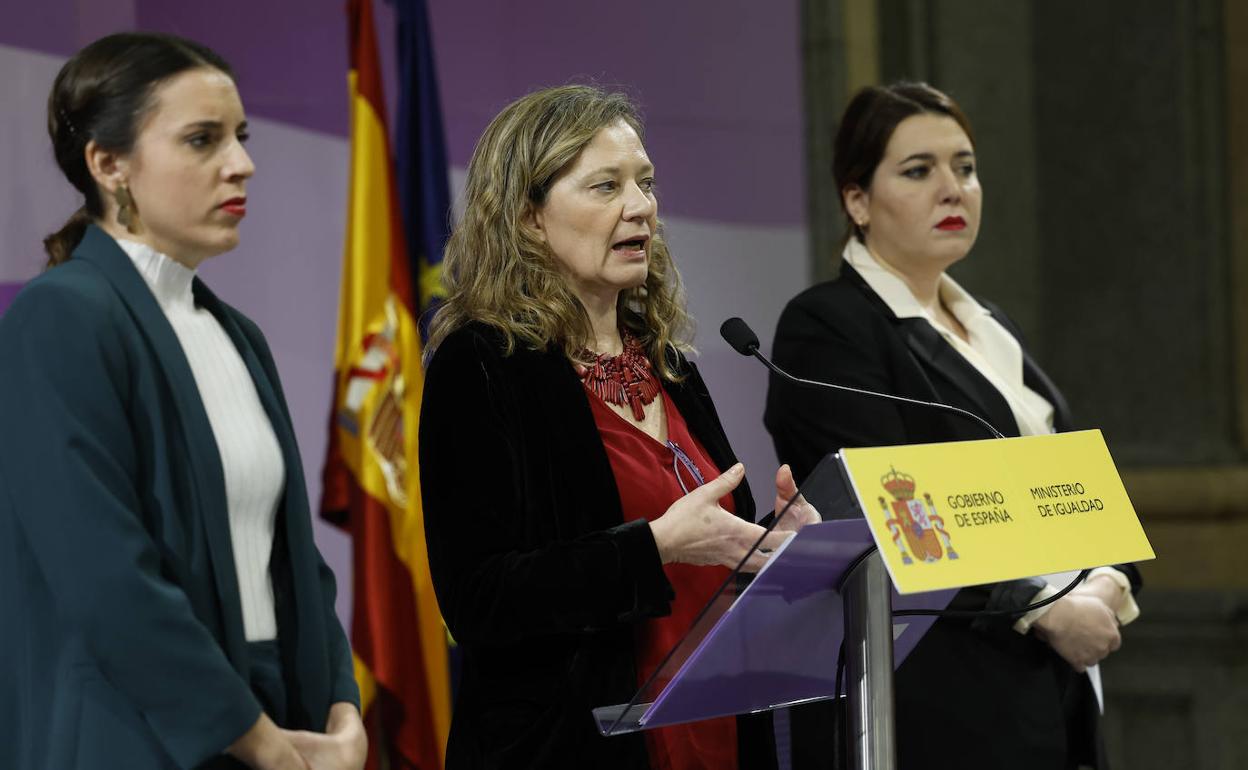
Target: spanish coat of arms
{"points": [[916, 527]]}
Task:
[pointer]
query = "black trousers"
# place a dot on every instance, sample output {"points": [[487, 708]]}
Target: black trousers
{"points": [[266, 679]]}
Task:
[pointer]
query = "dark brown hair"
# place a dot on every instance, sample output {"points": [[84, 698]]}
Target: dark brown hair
{"points": [[103, 93], [868, 123]]}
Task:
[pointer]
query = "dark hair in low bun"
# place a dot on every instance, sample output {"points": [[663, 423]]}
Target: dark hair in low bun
{"points": [[60, 244], [103, 93]]}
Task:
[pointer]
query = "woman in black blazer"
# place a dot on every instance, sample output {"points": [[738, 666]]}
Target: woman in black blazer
{"points": [[576, 481], [989, 693], [165, 605]]}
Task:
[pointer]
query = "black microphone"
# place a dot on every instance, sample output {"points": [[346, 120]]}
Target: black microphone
{"points": [[742, 338]]}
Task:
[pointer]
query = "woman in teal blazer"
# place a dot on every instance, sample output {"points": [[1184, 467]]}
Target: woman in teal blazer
{"points": [[123, 641]]}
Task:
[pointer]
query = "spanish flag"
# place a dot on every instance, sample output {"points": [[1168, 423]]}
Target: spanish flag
{"points": [[371, 482]]}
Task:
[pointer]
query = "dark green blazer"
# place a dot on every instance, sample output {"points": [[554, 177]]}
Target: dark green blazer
{"points": [[121, 632]]}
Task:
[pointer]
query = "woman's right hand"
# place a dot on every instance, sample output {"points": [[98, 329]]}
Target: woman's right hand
{"points": [[696, 530], [1081, 628], [265, 747]]}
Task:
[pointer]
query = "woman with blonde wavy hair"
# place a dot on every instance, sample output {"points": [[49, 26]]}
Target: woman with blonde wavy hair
{"points": [[581, 500]]}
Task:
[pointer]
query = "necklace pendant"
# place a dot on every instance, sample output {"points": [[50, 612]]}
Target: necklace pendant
{"points": [[622, 380]]}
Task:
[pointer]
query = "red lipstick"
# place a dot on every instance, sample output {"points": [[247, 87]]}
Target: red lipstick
{"points": [[235, 206], [952, 224]]}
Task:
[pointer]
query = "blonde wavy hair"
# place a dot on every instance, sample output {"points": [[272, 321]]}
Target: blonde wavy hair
{"points": [[496, 269]]}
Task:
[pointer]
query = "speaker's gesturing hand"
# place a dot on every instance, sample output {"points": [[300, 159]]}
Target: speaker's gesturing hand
{"points": [[696, 530], [800, 513]]}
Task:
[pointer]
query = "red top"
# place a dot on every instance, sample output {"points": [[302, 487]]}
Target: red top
{"points": [[645, 474]]}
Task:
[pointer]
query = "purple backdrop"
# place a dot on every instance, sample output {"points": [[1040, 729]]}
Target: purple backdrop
{"points": [[7, 290], [290, 56], [719, 83]]}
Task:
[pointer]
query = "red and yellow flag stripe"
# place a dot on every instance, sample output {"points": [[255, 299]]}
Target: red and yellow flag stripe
{"points": [[371, 476]]}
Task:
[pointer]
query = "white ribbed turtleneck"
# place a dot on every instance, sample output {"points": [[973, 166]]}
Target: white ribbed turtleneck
{"points": [[250, 455]]}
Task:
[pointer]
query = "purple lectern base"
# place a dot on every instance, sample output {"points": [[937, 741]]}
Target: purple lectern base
{"points": [[770, 645]]}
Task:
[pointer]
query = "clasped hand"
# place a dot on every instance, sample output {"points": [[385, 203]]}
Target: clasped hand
{"points": [[343, 745], [1082, 626], [697, 530]]}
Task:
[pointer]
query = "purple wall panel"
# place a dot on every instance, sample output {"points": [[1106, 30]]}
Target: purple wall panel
{"points": [[63, 26], [7, 292], [719, 83], [49, 26], [291, 57]]}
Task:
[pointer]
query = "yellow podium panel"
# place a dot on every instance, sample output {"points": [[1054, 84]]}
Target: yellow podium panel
{"points": [[970, 512]]}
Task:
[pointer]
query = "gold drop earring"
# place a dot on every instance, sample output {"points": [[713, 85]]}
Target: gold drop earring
{"points": [[126, 210]]}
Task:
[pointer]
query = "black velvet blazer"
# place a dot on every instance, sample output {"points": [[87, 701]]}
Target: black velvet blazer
{"points": [[976, 691], [539, 580]]}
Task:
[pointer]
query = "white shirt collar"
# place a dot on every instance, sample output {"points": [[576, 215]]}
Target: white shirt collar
{"points": [[991, 349], [897, 295], [169, 280]]}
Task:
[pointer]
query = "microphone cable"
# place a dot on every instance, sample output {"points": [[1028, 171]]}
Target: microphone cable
{"points": [[742, 338], [1083, 574]]}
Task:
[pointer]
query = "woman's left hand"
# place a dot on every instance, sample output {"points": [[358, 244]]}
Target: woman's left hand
{"points": [[801, 512], [343, 745]]}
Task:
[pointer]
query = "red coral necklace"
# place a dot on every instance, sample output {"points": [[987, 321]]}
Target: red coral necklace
{"points": [[624, 379]]}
